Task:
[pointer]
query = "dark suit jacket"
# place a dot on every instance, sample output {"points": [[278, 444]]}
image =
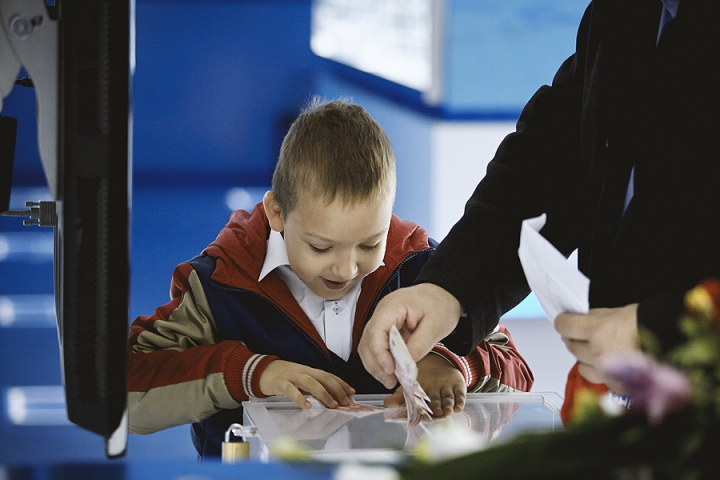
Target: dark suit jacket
{"points": [[620, 101]]}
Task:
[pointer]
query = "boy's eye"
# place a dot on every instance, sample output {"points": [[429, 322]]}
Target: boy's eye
{"points": [[370, 247], [318, 250]]}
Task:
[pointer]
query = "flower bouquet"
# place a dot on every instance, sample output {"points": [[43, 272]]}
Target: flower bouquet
{"points": [[672, 429]]}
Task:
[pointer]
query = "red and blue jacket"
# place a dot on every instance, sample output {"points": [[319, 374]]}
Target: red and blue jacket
{"points": [[196, 358]]}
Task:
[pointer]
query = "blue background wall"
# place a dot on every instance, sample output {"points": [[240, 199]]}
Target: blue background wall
{"points": [[216, 85]]}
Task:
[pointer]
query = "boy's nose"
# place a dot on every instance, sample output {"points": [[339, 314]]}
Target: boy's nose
{"points": [[345, 267]]}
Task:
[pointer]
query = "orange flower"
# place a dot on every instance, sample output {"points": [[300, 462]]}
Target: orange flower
{"points": [[704, 299]]}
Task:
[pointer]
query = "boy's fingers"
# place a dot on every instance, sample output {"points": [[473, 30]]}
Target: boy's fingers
{"points": [[312, 386], [337, 388], [442, 402], [445, 401], [328, 389], [295, 381], [459, 400], [296, 396], [349, 391], [448, 402], [436, 407], [436, 401], [396, 399]]}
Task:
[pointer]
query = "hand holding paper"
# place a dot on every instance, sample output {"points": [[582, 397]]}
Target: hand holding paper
{"points": [[558, 285], [416, 400]]}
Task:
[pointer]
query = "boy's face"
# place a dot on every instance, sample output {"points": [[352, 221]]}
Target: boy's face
{"points": [[333, 247]]}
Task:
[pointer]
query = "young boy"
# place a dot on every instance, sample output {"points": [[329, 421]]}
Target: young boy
{"points": [[277, 303]]}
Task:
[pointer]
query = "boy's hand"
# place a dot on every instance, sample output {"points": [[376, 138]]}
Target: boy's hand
{"points": [[295, 381], [442, 382]]}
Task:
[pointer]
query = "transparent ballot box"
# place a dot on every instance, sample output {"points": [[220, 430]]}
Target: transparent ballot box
{"points": [[373, 436]]}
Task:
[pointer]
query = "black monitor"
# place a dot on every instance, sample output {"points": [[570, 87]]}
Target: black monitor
{"points": [[78, 55], [8, 132]]}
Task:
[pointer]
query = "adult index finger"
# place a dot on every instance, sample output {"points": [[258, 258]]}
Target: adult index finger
{"points": [[374, 350]]}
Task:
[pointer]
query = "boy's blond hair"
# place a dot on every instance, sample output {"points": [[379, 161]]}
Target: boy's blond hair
{"points": [[334, 149]]}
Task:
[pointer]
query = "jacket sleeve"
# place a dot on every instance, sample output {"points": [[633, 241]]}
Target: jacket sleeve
{"points": [[493, 366], [177, 371], [534, 171]]}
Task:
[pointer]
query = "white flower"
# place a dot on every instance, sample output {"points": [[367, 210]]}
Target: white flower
{"points": [[449, 439]]}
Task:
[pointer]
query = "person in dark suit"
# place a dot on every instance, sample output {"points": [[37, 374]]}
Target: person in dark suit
{"points": [[623, 154]]}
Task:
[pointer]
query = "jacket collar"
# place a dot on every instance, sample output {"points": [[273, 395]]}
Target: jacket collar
{"points": [[240, 248]]}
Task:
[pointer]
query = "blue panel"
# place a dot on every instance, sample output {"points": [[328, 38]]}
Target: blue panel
{"points": [[172, 224], [161, 470], [497, 53], [216, 85], [29, 357], [31, 445]]}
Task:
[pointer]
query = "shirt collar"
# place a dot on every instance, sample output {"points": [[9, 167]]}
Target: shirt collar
{"points": [[276, 254]]}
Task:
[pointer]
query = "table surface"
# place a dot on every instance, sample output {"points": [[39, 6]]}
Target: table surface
{"points": [[333, 437], [336, 435]]}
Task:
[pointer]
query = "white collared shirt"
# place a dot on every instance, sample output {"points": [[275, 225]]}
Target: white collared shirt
{"points": [[333, 319]]}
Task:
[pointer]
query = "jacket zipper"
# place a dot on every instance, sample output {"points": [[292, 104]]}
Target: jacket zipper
{"points": [[226, 288]]}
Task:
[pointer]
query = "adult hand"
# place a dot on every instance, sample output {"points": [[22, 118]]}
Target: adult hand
{"points": [[424, 314], [295, 381], [603, 331], [442, 382]]}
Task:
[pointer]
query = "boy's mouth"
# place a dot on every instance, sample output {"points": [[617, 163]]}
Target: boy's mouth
{"points": [[334, 285]]}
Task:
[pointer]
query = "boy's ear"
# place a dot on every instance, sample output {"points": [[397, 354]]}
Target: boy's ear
{"points": [[272, 210]]}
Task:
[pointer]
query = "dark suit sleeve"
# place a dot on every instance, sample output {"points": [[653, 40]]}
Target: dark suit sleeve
{"points": [[534, 171], [659, 315]]}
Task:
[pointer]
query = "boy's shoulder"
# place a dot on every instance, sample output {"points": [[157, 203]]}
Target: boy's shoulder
{"points": [[244, 230], [239, 248], [405, 237], [406, 229]]}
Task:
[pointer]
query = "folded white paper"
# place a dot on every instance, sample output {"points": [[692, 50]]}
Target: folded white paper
{"points": [[559, 285]]}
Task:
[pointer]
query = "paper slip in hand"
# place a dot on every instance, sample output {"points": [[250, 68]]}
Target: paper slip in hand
{"points": [[558, 285], [406, 372]]}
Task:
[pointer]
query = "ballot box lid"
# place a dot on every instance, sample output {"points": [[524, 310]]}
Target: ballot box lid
{"points": [[488, 418]]}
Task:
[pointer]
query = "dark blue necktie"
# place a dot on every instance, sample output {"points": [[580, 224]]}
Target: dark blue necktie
{"points": [[666, 16]]}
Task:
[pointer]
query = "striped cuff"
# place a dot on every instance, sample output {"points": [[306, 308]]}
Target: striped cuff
{"points": [[243, 371], [252, 372], [461, 363]]}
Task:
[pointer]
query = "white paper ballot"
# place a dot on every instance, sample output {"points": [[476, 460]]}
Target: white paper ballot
{"points": [[558, 285]]}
